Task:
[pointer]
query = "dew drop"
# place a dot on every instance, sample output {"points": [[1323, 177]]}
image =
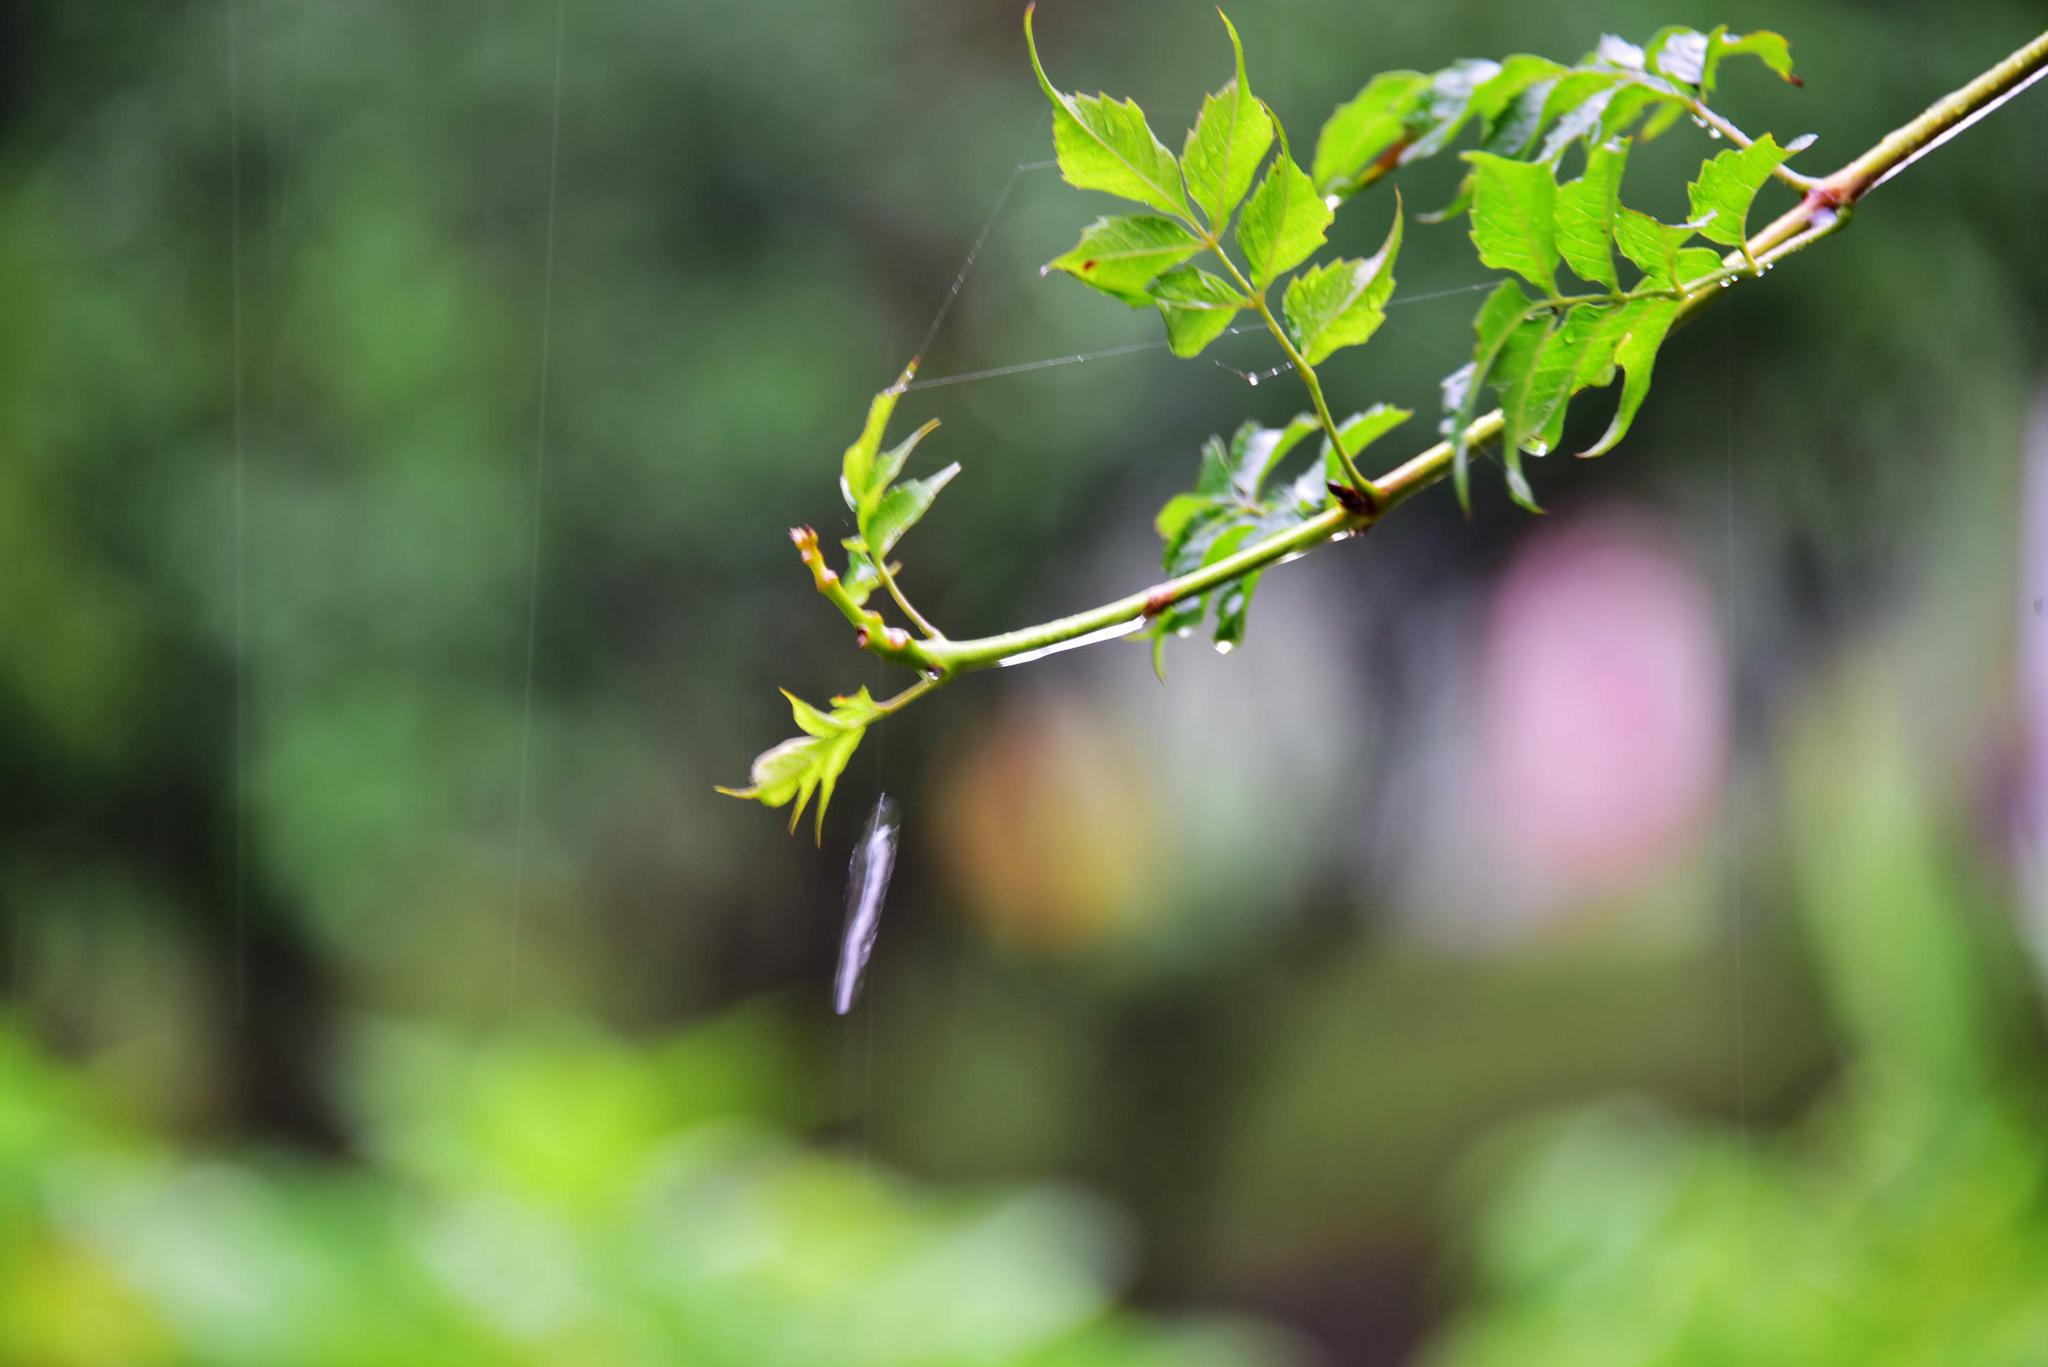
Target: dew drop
{"points": [[1714, 133], [1044, 271], [1252, 380], [1225, 647], [1698, 122], [1184, 633], [1726, 283], [1538, 447]]}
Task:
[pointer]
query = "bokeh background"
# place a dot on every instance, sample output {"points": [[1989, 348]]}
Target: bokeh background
{"points": [[1604, 938]]}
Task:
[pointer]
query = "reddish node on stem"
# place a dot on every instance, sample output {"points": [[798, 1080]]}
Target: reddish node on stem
{"points": [[1357, 502]]}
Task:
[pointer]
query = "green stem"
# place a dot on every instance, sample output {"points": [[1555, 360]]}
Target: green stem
{"points": [[1784, 173], [906, 697], [1301, 367], [1823, 211], [903, 604]]}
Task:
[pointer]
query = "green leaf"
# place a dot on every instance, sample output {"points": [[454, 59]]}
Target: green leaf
{"points": [[1503, 312], [1105, 144], [1666, 114], [1229, 137], [1517, 361], [810, 763], [1694, 264], [1518, 75], [1197, 307], [1181, 510], [883, 472], [1679, 53], [899, 509], [1630, 101], [1122, 255], [1236, 472], [1577, 103], [1514, 212], [1653, 247], [1283, 223], [1229, 507], [861, 578], [1342, 303], [1359, 431], [1255, 451], [1648, 322], [1576, 353], [856, 468], [1616, 52], [1586, 210], [1722, 195], [1450, 100], [1365, 127], [1514, 132], [1769, 48]]}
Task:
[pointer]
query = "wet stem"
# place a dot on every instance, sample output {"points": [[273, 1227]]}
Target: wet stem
{"points": [[1301, 367], [1824, 209]]}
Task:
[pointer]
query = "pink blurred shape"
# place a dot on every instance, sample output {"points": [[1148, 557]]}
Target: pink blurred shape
{"points": [[1603, 706]]}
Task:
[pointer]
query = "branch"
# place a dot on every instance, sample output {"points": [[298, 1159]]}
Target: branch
{"points": [[1824, 209]]}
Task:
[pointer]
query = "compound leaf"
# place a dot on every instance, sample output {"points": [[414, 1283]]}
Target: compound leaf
{"points": [[812, 762]]}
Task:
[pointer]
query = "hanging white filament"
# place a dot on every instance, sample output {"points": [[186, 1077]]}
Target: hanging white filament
{"points": [[1108, 633], [867, 883]]}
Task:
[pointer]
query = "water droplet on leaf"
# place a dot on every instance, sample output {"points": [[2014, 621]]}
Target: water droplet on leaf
{"points": [[1225, 647]]}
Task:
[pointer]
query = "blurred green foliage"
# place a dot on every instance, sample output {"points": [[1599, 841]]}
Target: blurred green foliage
{"points": [[1184, 949], [553, 1198], [1903, 1218]]}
